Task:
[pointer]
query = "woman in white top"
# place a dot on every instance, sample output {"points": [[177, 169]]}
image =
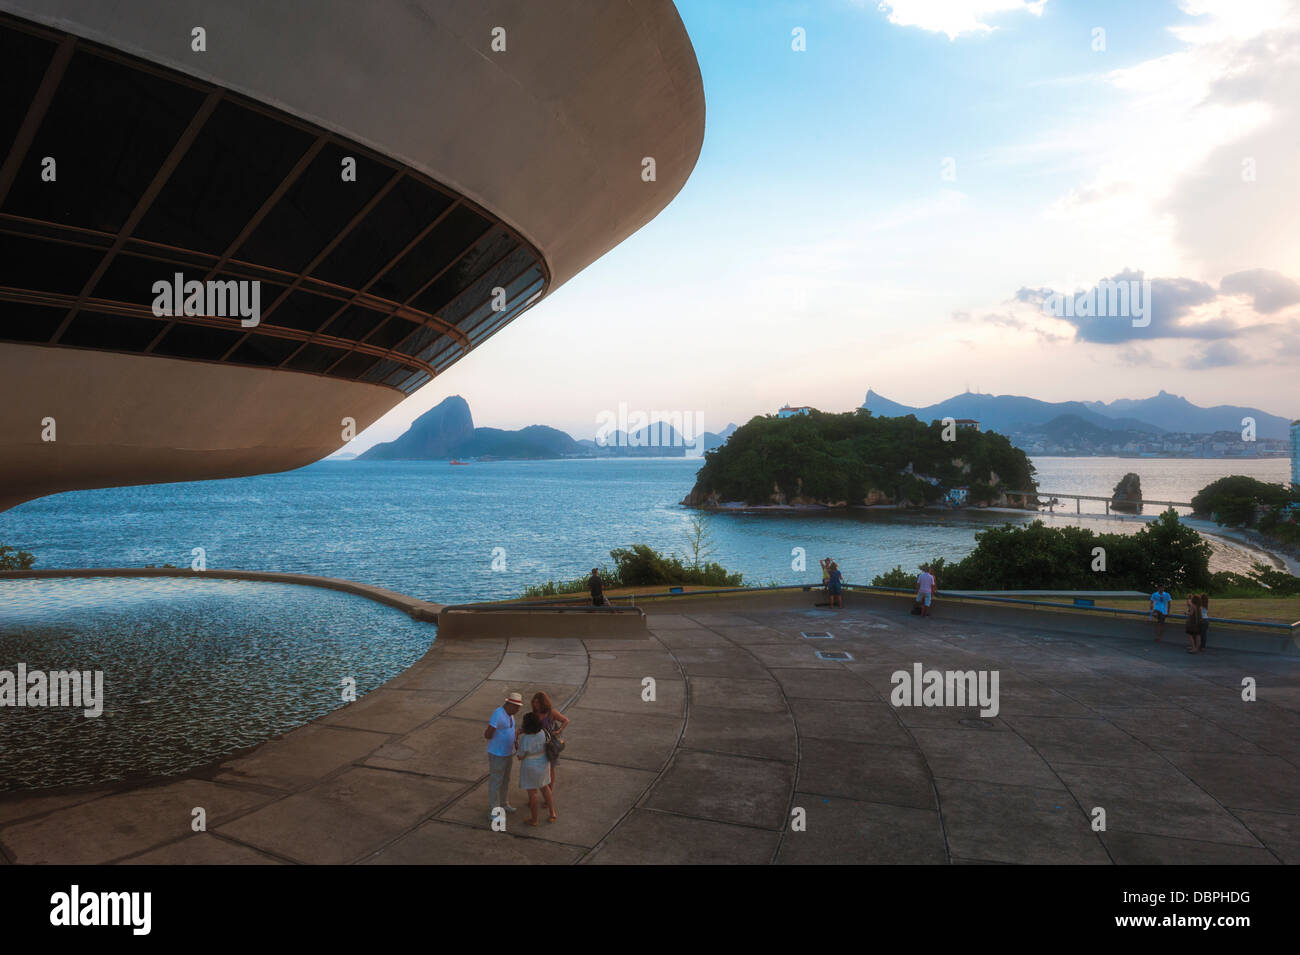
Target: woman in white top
{"points": [[535, 768]]}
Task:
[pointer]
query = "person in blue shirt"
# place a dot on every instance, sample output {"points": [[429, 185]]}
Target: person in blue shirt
{"points": [[1160, 601], [500, 734]]}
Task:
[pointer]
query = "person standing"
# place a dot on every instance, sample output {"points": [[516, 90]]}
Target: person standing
{"points": [[1204, 631], [925, 590], [835, 585], [597, 588], [501, 746], [1160, 602], [553, 722], [535, 768], [1193, 627]]}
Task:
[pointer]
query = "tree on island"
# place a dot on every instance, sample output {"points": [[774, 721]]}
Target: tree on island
{"points": [[1127, 495], [855, 458]]}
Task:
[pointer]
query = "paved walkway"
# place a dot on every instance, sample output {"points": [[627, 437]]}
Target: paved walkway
{"points": [[748, 725]]}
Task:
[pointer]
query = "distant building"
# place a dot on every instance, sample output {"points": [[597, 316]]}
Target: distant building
{"points": [[789, 412], [968, 423], [1295, 455], [958, 496]]}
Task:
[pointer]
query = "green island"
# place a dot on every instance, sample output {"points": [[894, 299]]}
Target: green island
{"points": [[856, 459]]}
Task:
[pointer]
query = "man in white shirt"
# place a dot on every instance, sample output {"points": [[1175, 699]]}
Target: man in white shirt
{"points": [[925, 590], [1160, 601], [500, 735]]}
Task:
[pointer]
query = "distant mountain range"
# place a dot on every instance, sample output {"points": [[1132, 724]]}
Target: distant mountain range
{"points": [[447, 432], [1011, 414]]}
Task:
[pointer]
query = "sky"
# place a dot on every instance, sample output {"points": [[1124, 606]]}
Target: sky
{"points": [[893, 206]]}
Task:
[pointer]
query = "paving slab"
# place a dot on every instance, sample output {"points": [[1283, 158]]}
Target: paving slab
{"points": [[770, 735], [480, 704], [971, 753], [344, 818], [461, 674], [1279, 831], [1266, 783], [734, 789], [449, 748], [622, 739], [824, 685], [301, 757], [647, 837], [849, 832], [659, 664], [590, 799], [541, 666], [867, 772], [392, 711], [1067, 739], [730, 694], [124, 823], [730, 662], [872, 722], [1160, 801], [444, 843], [624, 695], [1017, 824], [692, 637], [1131, 848], [203, 848]]}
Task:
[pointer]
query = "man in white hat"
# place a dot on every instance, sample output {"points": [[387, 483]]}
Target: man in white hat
{"points": [[500, 735]]}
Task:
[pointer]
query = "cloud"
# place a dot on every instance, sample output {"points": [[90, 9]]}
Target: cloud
{"points": [[1270, 291], [1163, 314], [1217, 355], [952, 17]]}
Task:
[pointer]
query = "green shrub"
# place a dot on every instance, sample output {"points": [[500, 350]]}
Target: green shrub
{"points": [[11, 559]]}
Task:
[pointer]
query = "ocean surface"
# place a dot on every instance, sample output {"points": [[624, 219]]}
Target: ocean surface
{"points": [[490, 529]]}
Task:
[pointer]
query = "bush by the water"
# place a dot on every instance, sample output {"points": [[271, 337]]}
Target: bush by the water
{"points": [[1038, 557], [1241, 501], [845, 457], [642, 566], [11, 559]]}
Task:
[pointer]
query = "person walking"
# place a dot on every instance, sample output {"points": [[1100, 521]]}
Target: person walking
{"points": [[501, 746], [597, 588], [925, 590], [553, 722], [1160, 601], [535, 768], [835, 586]]}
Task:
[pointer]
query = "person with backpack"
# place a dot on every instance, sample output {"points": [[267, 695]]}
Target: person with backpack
{"points": [[553, 724]]}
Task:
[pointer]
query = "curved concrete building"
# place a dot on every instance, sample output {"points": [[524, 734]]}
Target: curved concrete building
{"points": [[345, 198]]}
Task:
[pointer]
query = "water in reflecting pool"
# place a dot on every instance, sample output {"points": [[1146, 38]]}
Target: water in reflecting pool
{"points": [[193, 669]]}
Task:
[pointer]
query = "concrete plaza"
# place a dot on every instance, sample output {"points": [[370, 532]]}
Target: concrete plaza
{"points": [[749, 725]]}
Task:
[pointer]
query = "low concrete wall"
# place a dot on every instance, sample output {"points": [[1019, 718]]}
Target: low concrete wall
{"points": [[578, 623], [1090, 623]]}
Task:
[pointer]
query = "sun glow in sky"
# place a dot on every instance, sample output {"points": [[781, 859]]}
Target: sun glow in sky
{"points": [[878, 209]]}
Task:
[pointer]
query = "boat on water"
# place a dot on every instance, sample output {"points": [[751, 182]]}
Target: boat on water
{"points": [[464, 463]]}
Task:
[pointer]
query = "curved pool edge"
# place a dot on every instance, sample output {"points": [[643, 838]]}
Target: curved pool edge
{"points": [[417, 609]]}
